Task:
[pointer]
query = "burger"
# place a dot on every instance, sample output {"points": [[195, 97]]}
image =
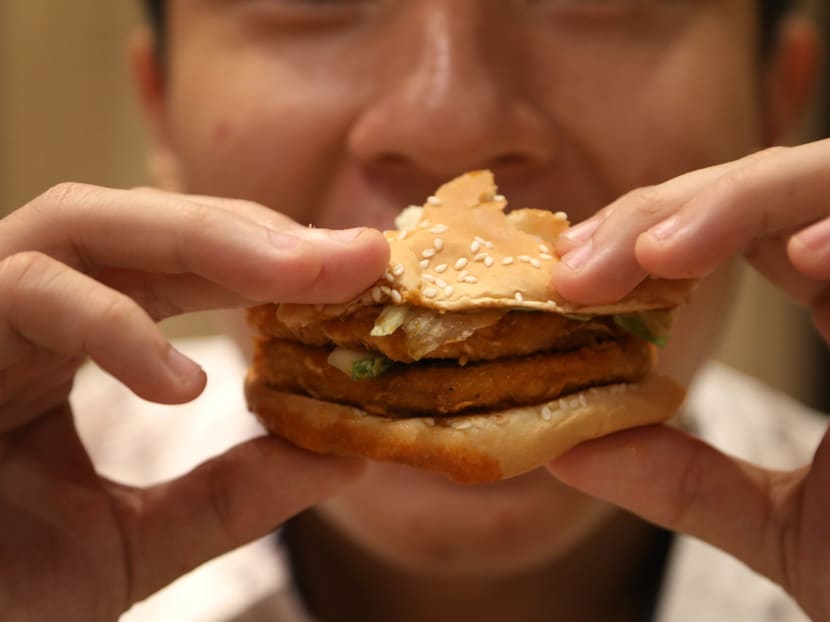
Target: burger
{"points": [[461, 359]]}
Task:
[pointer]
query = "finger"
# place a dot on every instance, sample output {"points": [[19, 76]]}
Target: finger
{"points": [[94, 228], [674, 480], [606, 267], [249, 209], [44, 304], [770, 198], [226, 502]]}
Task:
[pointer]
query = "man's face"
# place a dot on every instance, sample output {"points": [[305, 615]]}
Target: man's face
{"points": [[340, 113]]}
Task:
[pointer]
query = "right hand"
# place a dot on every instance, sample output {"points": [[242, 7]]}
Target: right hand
{"points": [[86, 272]]}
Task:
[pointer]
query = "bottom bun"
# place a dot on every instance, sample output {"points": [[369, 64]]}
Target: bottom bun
{"points": [[468, 448]]}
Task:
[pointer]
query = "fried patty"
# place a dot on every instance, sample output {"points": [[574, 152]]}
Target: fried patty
{"points": [[515, 333], [439, 387]]}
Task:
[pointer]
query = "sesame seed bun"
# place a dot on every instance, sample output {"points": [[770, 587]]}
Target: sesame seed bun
{"points": [[458, 254], [478, 448], [461, 251]]}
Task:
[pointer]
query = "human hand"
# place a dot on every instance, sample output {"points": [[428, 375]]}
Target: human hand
{"points": [[773, 209], [85, 271]]}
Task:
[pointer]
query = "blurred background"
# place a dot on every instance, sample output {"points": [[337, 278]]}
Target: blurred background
{"points": [[67, 112]]}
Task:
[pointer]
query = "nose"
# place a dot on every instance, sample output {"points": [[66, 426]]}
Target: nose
{"points": [[458, 98]]}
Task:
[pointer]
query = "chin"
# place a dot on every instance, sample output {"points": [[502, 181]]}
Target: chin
{"points": [[424, 524]]}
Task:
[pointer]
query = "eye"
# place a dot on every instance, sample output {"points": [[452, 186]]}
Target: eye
{"points": [[306, 12]]}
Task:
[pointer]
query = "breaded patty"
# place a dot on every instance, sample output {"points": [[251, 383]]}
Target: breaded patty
{"points": [[438, 387], [513, 333]]}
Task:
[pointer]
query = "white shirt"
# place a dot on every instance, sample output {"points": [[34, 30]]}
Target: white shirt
{"points": [[139, 443]]}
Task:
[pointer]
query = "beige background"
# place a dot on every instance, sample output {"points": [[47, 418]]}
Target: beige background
{"points": [[67, 112]]}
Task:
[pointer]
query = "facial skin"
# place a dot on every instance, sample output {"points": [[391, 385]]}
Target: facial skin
{"points": [[340, 113]]}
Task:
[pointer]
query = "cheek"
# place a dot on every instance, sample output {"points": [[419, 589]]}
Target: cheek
{"points": [[662, 111], [425, 524], [249, 129]]}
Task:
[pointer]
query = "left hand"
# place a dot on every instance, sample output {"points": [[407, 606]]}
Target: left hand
{"points": [[774, 209]]}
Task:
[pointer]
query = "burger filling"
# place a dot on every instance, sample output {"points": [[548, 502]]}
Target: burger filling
{"points": [[399, 361]]}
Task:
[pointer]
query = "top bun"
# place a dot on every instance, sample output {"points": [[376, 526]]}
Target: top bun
{"points": [[461, 251]]}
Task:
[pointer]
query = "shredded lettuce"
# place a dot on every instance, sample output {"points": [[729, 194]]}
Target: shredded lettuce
{"points": [[359, 364], [579, 317], [370, 368], [653, 326], [389, 320]]}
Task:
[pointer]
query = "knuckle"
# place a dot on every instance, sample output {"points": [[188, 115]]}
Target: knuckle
{"points": [[63, 194], [220, 493], [116, 309], [18, 269], [648, 202], [688, 491]]}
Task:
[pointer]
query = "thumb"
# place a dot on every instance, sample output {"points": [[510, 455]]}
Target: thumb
{"points": [[674, 480], [224, 503]]}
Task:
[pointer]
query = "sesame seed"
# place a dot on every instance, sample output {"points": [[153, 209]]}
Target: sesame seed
{"points": [[545, 256], [427, 253], [462, 275], [560, 216], [424, 263], [440, 282], [376, 295], [448, 291], [582, 401], [518, 296], [480, 257], [470, 279], [434, 201], [396, 296], [389, 277], [438, 229], [460, 263], [430, 292], [499, 197], [535, 262], [385, 290], [402, 234], [507, 261], [438, 243], [488, 261], [543, 248], [461, 425], [423, 224], [398, 270], [428, 278], [441, 267], [574, 403], [475, 246], [488, 244], [478, 239], [547, 414], [524, 258]]}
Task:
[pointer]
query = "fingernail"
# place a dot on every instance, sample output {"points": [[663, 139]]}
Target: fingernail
{"points": [[283, 240], [180, 365], [815, 237], [577, 258], [341, 235], [664, 230], [582, 231], [346, 235]]}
